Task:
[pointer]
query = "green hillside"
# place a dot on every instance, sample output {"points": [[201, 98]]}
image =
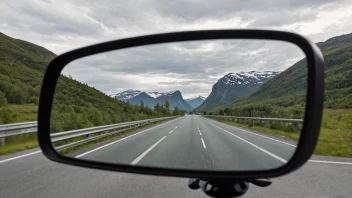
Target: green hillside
{"points": [[288, 89], [31, 55], [76, 105]]}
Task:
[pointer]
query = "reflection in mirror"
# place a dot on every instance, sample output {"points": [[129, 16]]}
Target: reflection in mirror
{"points": [[203, 105]]}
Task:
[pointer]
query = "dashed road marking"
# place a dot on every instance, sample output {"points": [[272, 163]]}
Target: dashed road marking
{"points": [[204, 146], [146, 151]]}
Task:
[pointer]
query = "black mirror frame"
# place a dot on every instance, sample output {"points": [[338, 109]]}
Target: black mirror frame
{"points": [[312, 117]]}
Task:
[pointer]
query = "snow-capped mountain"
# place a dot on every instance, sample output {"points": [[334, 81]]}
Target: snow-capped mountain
{"points": [[248, 78], [150, 99], [195, 101], [126, 95], [232, 86]]}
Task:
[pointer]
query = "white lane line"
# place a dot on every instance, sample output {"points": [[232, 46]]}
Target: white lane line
{"points": [[330, 162], [257, 147], [200, 133], [146, 152], [17, 157], [264, 136], [176, 127], [111, 143], [171, 131], [203, 143]]}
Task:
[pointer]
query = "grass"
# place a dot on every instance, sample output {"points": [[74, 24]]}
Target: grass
{"points": [[20, 113], [18, 143], [283, 134], [335, 135]]}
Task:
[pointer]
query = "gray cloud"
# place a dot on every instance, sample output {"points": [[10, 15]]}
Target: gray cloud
{"points": [[191, 67], [64, 25]]}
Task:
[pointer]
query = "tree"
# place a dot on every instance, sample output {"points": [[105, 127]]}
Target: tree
{"points": [[157, 107], [3, 99], [221, 112], [6, 115], [204, 113], [176, 111], [141, 108], [227, 111], [33, 100], [167, 107]]}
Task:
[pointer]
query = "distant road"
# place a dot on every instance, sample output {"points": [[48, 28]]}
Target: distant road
{"points": [[191, 142]]}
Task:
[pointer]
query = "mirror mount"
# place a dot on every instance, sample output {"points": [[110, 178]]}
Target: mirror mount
{"points": [[226, 188]]}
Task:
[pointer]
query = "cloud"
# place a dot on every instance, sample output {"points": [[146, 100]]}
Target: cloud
{"points": [[64, 25], [186, 66]]}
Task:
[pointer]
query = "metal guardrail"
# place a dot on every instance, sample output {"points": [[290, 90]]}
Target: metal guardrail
{"points": [[258, 118], [27, 127], [18, 128]]}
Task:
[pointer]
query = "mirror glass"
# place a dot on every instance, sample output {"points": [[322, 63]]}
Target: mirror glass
{"points": [[217, 105]]}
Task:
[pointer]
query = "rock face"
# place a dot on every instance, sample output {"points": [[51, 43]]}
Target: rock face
{"points": [[232, 86]]}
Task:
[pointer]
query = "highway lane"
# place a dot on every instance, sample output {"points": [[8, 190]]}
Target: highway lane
{"points": [[194, 142], [35, 176]]}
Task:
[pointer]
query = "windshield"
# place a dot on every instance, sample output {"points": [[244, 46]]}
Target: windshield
{"points": [[201, 105]]}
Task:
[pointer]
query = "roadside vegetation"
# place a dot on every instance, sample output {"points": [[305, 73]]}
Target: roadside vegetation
{"points": [[335, 135]]}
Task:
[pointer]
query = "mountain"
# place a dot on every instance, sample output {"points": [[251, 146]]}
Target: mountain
{"points": [[150, 99], [76, 105], [195, 102], [126, 95], [288, 88], [232, 86], [23, 52]]}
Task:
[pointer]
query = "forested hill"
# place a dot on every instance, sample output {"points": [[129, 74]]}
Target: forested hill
{"points": [[288, 88], [76, 105], [19, 51]]}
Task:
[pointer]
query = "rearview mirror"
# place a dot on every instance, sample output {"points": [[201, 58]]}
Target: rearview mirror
{"points": [[233, 103]]}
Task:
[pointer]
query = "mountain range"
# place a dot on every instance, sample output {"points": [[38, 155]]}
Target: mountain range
{"points": [[196, 101], [150, 99], [289, 87], [232, 86]]}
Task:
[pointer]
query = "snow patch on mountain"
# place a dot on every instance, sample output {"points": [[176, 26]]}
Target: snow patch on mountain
{"points": [[159, 94], [244, 78], [128, 94], [198, 97]]}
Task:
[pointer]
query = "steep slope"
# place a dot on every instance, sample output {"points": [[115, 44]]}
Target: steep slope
{"points": [[150, 99], [232, 86], [288, 89], [31, 55], [195, 102], [76, 105]]}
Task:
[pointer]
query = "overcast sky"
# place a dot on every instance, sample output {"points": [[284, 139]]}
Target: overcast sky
{"points": [[64, 25]]}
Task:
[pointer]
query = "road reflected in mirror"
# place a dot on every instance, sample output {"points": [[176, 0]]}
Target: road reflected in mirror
{"points": [[224, 105]]}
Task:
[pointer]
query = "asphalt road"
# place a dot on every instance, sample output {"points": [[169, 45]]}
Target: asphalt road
{"points": [[194, 142], [30, 174]]}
